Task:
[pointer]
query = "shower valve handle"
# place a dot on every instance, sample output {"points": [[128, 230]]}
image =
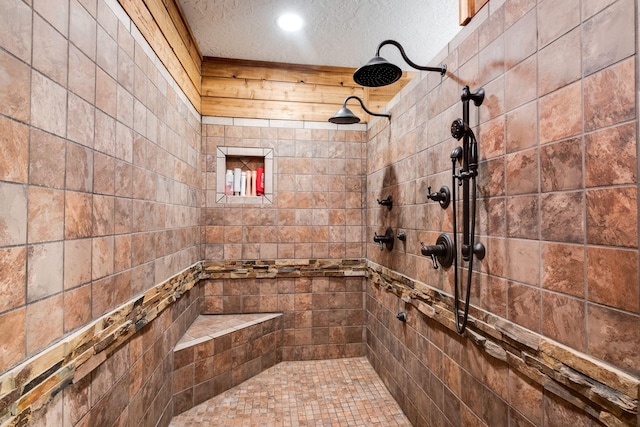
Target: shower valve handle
{"points": [[443, 196], [441, 252]]}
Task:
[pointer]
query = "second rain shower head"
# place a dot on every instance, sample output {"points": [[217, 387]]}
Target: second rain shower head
{"points": [[344, 116], [380, 72]]}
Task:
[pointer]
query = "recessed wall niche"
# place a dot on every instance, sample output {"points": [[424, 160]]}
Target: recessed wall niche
{"points": [[245, 159]]}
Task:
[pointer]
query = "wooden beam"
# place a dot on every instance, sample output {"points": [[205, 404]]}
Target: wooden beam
{"points": [[276, 90], [257, 70], [183, 28], [167, 27], [277, 110], [468, 9], [144, 20]]}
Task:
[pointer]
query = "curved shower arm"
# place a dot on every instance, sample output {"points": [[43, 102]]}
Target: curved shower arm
{"points": [[344, 105], [442, 69]]}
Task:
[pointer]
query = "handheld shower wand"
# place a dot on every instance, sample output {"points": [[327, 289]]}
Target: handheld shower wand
{"points": [[468, 154]]}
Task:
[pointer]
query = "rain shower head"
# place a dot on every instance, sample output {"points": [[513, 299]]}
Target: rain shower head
{"points": [[377, 72], [380, 72], [344, 116]]}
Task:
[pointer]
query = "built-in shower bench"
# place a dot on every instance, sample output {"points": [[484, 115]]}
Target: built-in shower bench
{"points": [[220, 351]]}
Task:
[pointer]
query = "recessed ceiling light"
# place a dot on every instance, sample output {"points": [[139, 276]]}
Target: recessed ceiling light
{"points": [[290, 22]]}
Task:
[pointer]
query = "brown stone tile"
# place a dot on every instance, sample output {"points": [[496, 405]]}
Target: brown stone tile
{"points": [[46, 159], [13, 277], [49, 51], [493, 218], [492, 135], [523, 218], [607, 37], [611, 217], [561, 217], [520, 40], [44, 272], [520, 83], [80, 121], [493, 105], [123, 186], [561, 165], [122, 252], [45, 215], [616, 287], [491, 29], [591, 7], [609, 96], [558, 412], [522, 172], [564, 320], [56, 15], [48, 105], [14, 154], [103, 215], [82, 74], [79, 168], [103, 174], [516, 9], [550, 26], [123, 215], [526, 397], [107, 55], [77, 308], [493, 295], [614, 337], [17, 23], [44, 323], [561, 113], [101, 257], [496, 377], [13, 349], [78, 215], [553, 73], [76, 400], [82, 29], [523, 306], [106, 93], [563, 268], [15, 98], [77, 262], [495, 410], [521, 128], [105, 133], [610, 156], [491, 60]]}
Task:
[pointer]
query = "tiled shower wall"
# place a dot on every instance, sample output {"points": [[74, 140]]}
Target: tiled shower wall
{"points": [[319, 178], [557, 206], [99, 186]]}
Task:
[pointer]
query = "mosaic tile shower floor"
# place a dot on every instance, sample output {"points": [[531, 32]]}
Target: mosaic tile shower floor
{"points": [[340, 392]]}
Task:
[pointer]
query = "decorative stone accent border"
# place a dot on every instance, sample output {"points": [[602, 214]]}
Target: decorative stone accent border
{"points": [[32, 384], [285, 268], [600, 390]]}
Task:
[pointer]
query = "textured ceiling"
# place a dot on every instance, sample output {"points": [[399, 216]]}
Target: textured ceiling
{"points": [[336, 32]]}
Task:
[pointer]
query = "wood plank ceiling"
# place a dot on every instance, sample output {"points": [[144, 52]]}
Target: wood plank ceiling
{"points": [[248, 89]]}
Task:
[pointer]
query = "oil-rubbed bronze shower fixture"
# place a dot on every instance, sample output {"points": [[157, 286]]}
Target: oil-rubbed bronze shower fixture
{"points": [[442, 196], [344, 116], [385, 240], [446, 249], [380, 72], [388, 202]]}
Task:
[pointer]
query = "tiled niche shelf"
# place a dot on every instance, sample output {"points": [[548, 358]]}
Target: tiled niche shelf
{"points": [[244, 158]]}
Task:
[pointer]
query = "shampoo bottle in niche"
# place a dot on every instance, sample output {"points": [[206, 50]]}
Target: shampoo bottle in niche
{"points": [[236, 181], [228, 183], [260, 181], [243, 184], [253, 183]]}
